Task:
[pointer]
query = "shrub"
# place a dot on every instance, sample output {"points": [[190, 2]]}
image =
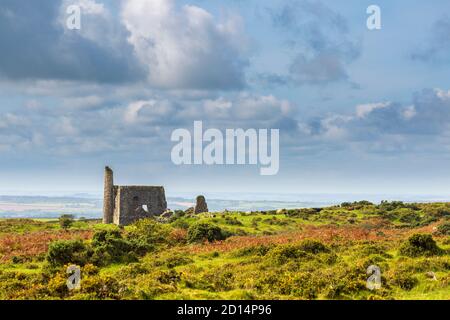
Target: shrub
{"points": [[17, 259], [103, 236], [283, 253], [300, 284], [147, 234], [404, 280], [102, 287], [232, 221], [173, 261], [444, 229], [109, 247], [389, 206], [254, 222], [356, 204], [181, 224], [168, 277], [313, 246], [177, 215], [303, 213], [276, 221], [365, 250], [57, 286], [203, 231], [408, 216], [64, 252], [220, 279], [258, 250], [437, 212], [420, 245], [66, 220]]}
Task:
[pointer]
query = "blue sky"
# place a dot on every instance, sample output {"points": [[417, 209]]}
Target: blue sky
{"points": [[359, 111]]}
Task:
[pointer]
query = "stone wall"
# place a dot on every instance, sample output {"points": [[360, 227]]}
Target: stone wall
{"points": [[200, 205], [108, 196], [137, 202], [123, 205]]}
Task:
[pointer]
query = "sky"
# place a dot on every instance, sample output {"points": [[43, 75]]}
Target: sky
{"points": [[359, 110]]}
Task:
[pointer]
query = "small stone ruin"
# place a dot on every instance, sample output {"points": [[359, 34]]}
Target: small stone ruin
{"points": [[123, 205], [200, 205]]}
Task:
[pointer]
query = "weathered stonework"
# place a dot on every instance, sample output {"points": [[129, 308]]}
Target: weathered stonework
{"points": [[124, 205], [108, 197], [200, 205]]}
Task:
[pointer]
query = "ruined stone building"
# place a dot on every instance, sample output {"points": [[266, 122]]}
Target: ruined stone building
{"points": [[200, 205], [123, 205]]}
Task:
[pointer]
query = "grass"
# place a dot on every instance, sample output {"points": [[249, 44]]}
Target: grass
{"points": [[264, 258]]}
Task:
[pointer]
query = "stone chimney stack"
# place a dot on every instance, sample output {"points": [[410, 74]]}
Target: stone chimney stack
{"points": [[108, 196]]}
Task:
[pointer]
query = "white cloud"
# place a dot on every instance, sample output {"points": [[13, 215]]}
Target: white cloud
{"points": [[10, 120], [409, 112], [65, 127], [97, 24], [321, 40], [248, 107], [334, 127], [149, 111], [185, 47], [390, 126], [444, 95], [82, 102], [219, 108], [363, 110]]}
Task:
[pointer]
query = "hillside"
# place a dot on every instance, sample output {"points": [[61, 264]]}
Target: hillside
{"points": [[285, 254]]}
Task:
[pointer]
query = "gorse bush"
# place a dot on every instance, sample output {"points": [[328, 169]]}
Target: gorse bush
{"points": [[282, 254], [404, 280], [437, 210], [408, 216], [313, 246], [307, 248], [109, 247], [64, 252], [147, 234], [389, 206], [259, 250], [357, 204], [168, 276], [304, 213], [204, 231], [420, 245], [232, 221], [444, 228], [102, 287], [180, 223], [103, 236], [113, 246], [365, 250], [219, 279]]}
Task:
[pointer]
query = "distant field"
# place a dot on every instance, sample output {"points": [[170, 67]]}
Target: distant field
{"points": [[285, 254], [53, 207], [48, 207]]}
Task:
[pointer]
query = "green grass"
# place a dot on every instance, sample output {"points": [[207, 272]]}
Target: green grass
{"points": [[174, 269]]}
